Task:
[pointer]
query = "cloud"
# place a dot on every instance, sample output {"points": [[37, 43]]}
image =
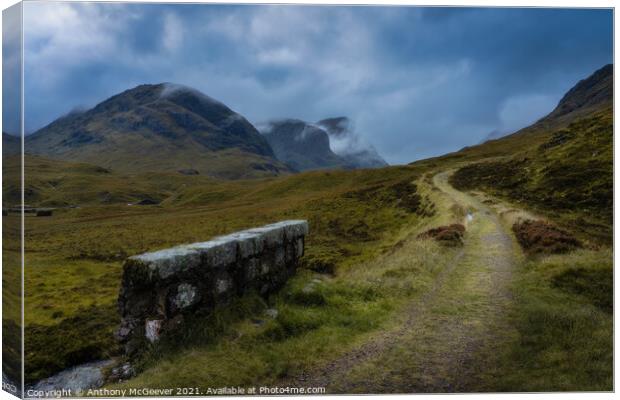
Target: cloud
{"points": [[173, 32], [280, 56], [522, 110], [11, 70], [58, 36], [416, 81]]}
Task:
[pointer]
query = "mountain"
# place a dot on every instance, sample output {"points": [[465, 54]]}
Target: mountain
{"points": [[301, 145], [561, 166], [328, 144], [589, 97], [495, 134], [587, 94], [349, 146], [11, 144], [162, 127]]}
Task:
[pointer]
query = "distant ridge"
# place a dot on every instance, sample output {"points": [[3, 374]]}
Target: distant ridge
{"points": [[301, 145], [329, 143], [350, 146], [11, 144], [590, 95]]}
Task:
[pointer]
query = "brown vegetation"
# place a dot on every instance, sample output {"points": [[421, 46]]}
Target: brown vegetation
{"points": [[537, 237], [449, 235]]}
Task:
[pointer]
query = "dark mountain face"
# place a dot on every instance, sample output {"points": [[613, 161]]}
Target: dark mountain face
{"points": [[337, 126], [349, 146], [330, 143], [301, 145], [160, 127], [593, 91]]}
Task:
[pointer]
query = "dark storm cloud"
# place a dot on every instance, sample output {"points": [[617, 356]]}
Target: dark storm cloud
{"points": [[11, 70], [417, 82]]}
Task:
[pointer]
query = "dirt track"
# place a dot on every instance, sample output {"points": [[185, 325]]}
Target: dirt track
{"points": [[450, 338]]}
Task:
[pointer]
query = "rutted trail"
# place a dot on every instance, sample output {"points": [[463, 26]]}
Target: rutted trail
{"points": [[450, 338]]}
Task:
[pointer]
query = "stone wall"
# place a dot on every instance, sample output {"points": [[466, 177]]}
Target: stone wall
{"points": [[160, 287]]}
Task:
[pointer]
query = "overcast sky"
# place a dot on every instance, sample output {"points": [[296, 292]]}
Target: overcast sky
{"points": [[417, 82]]}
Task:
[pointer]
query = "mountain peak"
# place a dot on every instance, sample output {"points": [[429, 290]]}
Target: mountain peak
{"points": [[336, 125], [329, 143], [592, 91], [188, 96], [176, 127], [350, 146], [146, 94], [301, 145]]}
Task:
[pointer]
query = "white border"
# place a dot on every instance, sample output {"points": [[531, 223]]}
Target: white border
{"points": [[463, 3]]}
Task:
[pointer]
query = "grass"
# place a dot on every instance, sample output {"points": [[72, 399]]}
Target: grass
{"points": [[11, 290], [74, 262], [319, 317], [555, 335], [456, 327], [84, 337], [563, 303], [563, 315], [596, 285]]}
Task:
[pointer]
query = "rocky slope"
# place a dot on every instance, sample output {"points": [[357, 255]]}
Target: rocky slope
{"points": [[163, 127], [328, 144], [592, 92], [301, 145], [350, 146]]}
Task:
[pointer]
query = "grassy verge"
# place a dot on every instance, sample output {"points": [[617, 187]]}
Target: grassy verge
{"points": [[556, 334], [564, 317]]}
